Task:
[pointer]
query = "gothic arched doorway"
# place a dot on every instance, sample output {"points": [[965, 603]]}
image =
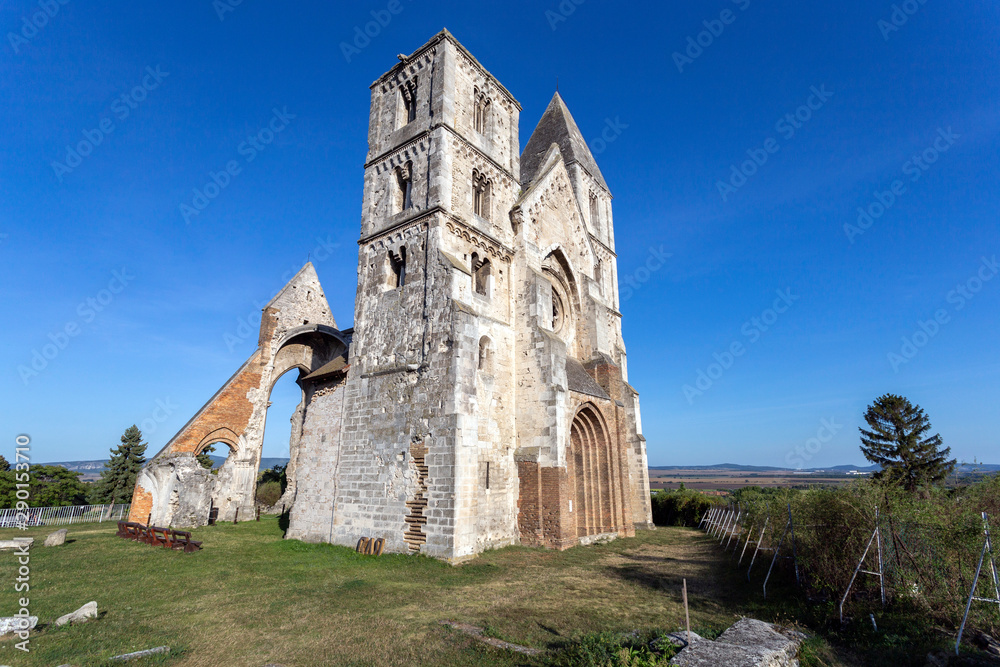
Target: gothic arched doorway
{"points": [[594, 474]]}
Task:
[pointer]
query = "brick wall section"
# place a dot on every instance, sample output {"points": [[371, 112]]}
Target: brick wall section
{"points": [[529, 504], [142, 505], [230, 409]]}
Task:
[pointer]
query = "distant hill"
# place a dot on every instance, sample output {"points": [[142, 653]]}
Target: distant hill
{"points": [[91, 470], [265, 463], [745, 468]]}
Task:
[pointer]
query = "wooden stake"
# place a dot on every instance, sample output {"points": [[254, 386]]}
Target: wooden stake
{"points": [[687, 615], [236, 516]]}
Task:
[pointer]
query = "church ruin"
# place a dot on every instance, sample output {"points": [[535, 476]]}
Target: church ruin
{"points": [[482, 397]]}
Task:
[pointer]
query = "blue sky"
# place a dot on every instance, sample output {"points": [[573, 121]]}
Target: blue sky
{"points": [[838, 103]]}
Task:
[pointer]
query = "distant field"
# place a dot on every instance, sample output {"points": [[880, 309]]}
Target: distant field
{"points": [[724, 480]]}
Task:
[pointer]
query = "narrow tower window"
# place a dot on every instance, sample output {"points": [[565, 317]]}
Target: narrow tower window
{"points": [[397, 268], [485, 355], [408, 93], [599, 275], [595, 213], [481, 275], [481, 111], [404, 187], [480, 194]]}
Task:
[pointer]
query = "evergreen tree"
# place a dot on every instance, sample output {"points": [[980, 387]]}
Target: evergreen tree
{"points": [[204, 459], [4, 464], [896, 442], [118, 477]]}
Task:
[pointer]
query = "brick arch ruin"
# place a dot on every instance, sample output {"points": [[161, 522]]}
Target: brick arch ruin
{"points": [[297, 333]]}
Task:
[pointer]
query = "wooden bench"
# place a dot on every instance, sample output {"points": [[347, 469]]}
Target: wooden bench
{"points": [[160, 537], [181, 540], [132, 531]]}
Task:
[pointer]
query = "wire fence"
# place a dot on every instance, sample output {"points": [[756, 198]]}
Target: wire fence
{"points": [[59, 516], [860, 559]]}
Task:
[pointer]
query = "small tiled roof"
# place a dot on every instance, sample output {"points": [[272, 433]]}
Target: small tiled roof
{"points": [[335, 366], [579, 380]]}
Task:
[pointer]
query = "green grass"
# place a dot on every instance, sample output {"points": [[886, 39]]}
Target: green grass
{"points": [[250, 597]]}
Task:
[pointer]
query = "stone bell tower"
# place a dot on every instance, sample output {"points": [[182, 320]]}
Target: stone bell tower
{"points": [[432, 354]]}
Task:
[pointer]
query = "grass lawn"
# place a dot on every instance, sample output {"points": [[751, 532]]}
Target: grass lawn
{"points": [[251, 598]]}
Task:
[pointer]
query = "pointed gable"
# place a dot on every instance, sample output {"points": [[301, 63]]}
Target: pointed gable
{"points": [[552, 212], [301, 299], [558, 127]]}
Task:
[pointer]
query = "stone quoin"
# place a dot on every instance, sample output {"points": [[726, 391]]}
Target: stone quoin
{"points": [[481, 398]]}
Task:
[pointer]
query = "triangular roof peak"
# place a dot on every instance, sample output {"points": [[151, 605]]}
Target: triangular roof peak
{"points": [[307, 272], [305, 277], [558, 127]]}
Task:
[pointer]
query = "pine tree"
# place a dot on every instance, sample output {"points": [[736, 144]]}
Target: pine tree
{"points": [[204, 459], [118, 477], [4, 464], [896, 442]]}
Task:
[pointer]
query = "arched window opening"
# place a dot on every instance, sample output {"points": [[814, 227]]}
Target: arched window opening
{"points": [[480, 194], [214, 456], [282, 433], [481, 110], [558, 311], [403, 199], [408, 99], [481, 275], [396, 261], [595, 213], [564, 294], [485, 355]]}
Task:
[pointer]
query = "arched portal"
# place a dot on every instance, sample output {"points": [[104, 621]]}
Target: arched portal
{"points": [[282, 433], [594, 474]]}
